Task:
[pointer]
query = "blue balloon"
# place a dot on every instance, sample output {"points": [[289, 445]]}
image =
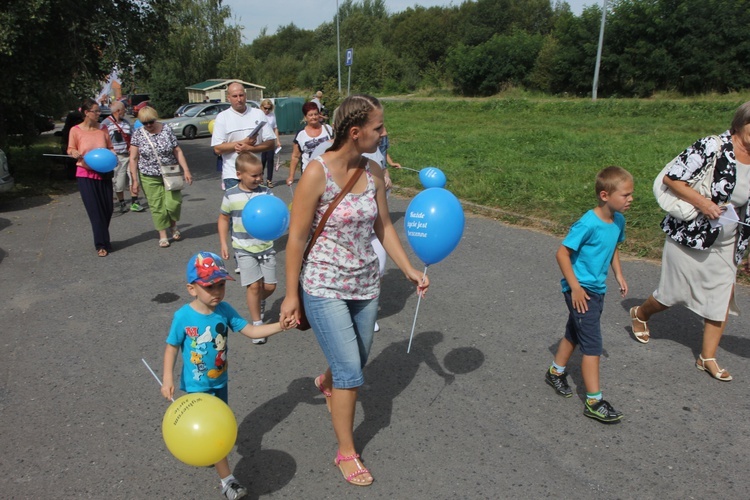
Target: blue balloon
{"points": [[137, 124], [432, 177], [265, 217], [434, 224], [101, 159]]}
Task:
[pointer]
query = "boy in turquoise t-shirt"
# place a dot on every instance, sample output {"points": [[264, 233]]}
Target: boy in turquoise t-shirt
{"points": [[201, 330], [584, 257]]}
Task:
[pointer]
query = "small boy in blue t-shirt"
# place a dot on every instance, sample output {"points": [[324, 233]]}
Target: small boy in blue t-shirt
{"points": [[201, 330], [584, 257]]}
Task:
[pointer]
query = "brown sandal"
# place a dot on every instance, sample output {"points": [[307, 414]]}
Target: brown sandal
{"points": [[643, 336], [102, 252]]}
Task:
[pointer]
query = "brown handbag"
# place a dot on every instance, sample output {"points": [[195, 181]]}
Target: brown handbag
{"points": [[302, 317]]}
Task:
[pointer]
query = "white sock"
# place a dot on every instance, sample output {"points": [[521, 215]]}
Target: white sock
{"points": [[226, 481]]}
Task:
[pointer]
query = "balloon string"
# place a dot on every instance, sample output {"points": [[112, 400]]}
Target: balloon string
{"points": [[407, 168], [411, 337], [154, 374]]}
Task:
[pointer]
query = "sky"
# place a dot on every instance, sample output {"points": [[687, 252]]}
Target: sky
{"points": [[309, 14]]}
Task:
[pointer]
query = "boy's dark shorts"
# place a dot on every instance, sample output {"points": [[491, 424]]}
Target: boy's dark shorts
{"points": [[221, 393], [584, 330]]}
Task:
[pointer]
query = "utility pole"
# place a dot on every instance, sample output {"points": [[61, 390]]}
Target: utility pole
{"points": [[598, 51], [338, 43]]}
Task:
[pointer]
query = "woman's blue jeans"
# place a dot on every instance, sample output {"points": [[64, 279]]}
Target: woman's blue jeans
{"points": [[344, 329]]}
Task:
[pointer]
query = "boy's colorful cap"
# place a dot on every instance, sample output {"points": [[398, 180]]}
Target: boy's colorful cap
{"points": [[206, 268]]}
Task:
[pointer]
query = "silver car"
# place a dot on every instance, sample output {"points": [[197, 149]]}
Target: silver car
{"points": [[194, 123]]}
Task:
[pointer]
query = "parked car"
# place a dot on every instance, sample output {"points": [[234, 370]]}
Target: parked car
{"points": [[6, 180], [194, 123], [105, 112], [134, 100], [42, 123], [181, 110]]}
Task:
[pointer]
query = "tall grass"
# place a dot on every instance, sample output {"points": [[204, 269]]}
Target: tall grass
{"points": [[34, 173], [538, 157]]}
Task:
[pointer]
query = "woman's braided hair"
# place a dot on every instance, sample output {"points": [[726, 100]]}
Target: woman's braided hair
{"points": [[354, 111]]}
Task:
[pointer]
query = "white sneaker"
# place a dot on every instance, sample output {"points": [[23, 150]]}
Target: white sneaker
{"points": [[259, 341], [377, 327], [234, 490]]}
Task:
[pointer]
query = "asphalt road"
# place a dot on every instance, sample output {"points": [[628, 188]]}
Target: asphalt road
{"points": [[466, 415]]}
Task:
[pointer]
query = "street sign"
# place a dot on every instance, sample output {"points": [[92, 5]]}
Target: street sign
{"points": [[349, 56]]}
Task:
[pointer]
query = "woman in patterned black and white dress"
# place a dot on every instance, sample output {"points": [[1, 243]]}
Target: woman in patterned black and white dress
{"points": [[700, 259]]}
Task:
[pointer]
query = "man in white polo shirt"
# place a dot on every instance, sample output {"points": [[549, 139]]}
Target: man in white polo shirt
{"points": [[231, 130]]}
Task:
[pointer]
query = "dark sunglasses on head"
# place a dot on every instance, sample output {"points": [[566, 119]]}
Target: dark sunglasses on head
{"points": [[150, 122]]}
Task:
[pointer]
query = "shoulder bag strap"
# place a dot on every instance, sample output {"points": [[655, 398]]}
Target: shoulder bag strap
{"points": [[331, 207], [124, 135]]}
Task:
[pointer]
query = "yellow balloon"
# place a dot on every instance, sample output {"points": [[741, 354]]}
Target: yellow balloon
{"points": [[199, 429], [211, 126]]}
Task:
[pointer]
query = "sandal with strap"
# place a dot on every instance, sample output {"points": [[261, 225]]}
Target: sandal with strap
{"points": [[643, 336], [164, 243], [102, 252], [176, 234], [719, 375], [319, 384], [350, 478]]}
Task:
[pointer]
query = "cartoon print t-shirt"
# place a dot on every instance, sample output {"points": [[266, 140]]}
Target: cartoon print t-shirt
{"points": [[203, 338]]}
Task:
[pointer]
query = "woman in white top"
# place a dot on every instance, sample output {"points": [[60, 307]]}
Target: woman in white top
{"points": [[700, 257], [313, 135], [267, 157]]}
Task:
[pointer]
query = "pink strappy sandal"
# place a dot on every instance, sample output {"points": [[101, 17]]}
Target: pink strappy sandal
{"points": [[319, 384], [360, 469]]}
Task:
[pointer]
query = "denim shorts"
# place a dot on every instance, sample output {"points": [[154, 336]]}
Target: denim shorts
{"points": [[344, 329], [584, 330], [229, 183], [254, 267]]}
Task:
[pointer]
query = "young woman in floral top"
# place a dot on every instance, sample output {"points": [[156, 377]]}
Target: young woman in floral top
{"points": [[340, 278]]}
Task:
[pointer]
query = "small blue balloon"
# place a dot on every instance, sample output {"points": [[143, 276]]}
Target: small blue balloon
{"points": [[434, 224], [432, 177], [101, 159], [137, 124], [265, 217]]}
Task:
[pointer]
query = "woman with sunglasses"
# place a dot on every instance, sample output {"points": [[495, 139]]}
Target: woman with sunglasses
{"points": [[267, 157], [95, 188], [152, 146], [310, 137]]}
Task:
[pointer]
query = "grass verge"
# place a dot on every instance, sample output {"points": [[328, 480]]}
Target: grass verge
{"points": [[535, 160]]}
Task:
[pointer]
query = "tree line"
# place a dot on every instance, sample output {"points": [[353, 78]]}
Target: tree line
{"points": [[53, 52], [482, 47]]}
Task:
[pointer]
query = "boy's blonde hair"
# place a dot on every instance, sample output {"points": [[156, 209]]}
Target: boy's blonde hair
{"points": [[245, 160], [610, 178]]}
